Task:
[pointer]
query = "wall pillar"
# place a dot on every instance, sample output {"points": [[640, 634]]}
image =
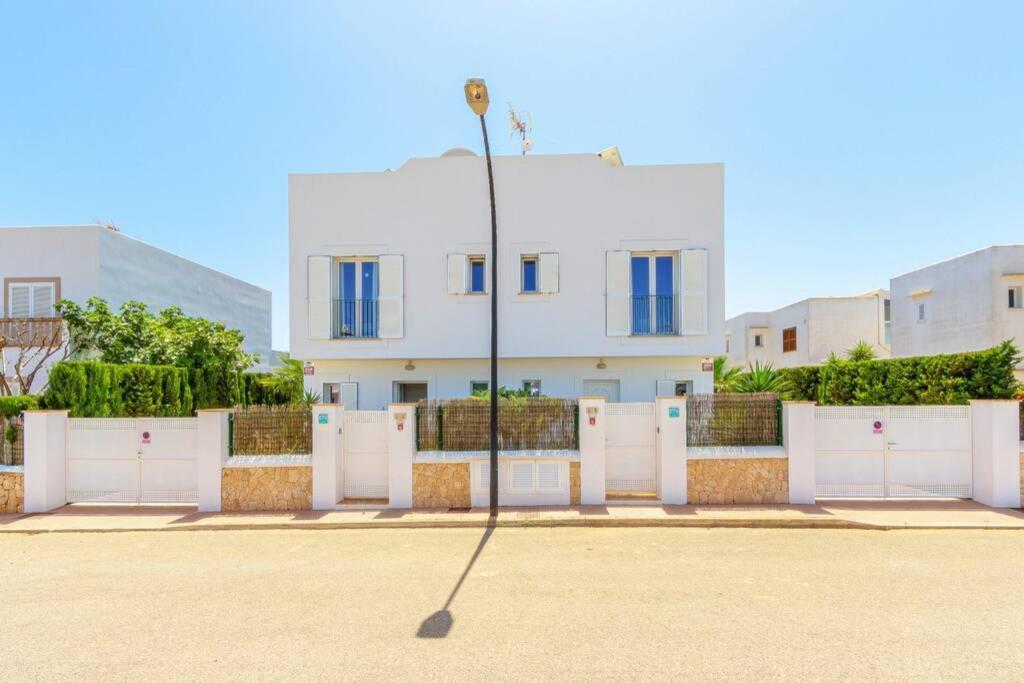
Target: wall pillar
{"points": [[213, 451], [798, 440], [670, 447], [592, 451], [45, 460], [401, 447], [995, 452], [328, 472]]}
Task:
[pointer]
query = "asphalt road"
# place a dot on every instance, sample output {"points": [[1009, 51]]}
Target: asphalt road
{"points": [[537, 603]]}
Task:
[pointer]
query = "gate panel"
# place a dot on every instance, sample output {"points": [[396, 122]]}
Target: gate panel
{"points": [[102, 460], [631, 465], [365, 442], [928, 452], [168, 460]]}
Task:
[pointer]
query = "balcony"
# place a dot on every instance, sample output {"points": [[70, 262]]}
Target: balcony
{"points": [[30, 332], [653, 315], [355, 318]]}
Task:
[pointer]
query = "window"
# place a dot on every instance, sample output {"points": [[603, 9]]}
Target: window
{"points": [[344, 393], [758, 341], [684, 388], [477, 275], [727, 344], [332, 392], [789, 339], [531, 387], [477, 387], [529, 276], [653, 301], [31, 299], [1015, 298], [356, 310], [887, 321], [922, 313]]}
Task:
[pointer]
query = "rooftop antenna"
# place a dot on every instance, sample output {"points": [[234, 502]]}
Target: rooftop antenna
{"points": [[517, 125]]}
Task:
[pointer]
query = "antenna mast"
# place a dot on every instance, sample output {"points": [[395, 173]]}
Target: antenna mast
{"points": [[522, 127]]}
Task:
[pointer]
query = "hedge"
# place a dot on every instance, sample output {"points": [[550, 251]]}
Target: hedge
{"points": [[927, 380], [94, 389], [12, 406]]}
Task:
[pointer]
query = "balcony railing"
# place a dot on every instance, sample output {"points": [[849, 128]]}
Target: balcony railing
{"points": [[355, 318], [28, 332], [653, 314]]}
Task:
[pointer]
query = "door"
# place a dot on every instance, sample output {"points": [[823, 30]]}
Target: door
{"points": [[608, 389], [411, 392], [630, 462], [364, 444]]}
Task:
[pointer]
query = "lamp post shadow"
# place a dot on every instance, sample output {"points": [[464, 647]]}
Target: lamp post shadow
{"points": [[439, 624]]}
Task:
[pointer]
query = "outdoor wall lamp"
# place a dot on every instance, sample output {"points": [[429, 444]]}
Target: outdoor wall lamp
{"points": [[409, 366], [601, 365]]}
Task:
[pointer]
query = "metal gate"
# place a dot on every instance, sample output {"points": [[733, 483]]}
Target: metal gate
{"points": [[132, 460], [631, 465], [365, 447], [893, 451]]}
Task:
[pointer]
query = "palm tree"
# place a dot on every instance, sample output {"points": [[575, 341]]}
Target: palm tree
{"points": [[761, 378], [861, 351], [286, 378], [725, 377]]}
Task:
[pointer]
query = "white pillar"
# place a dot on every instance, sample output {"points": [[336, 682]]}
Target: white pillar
{"points": [[592, 451], [401, 447], [213, 451], [995, 448], [798, 440], [45, 460], [328, 472], [670, 446]]}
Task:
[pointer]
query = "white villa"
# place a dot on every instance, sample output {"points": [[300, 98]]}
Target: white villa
{"points": [[610, 278], [40, 265], [967, 303], [808, 331]]}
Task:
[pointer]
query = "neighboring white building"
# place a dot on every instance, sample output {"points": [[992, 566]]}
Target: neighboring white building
{"points": [[39, 265], [611, 278], [808, 331], [968, 303]]}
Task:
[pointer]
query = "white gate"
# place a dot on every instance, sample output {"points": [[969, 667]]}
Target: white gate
{"points": [[893, 451], [365, 447], [630, 465], [132, 460]]}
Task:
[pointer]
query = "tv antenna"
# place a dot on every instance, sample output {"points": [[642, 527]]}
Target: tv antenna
{"points": [[517, 125]]}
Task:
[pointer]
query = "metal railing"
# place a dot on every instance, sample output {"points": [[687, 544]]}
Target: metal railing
{"points": [[30, 331], [355, 318], [653, 315]]}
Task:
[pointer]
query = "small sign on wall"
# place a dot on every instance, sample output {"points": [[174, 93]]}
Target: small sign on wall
{"points": [[307, 368], [707, 366], [321, 418], [673, 411]]}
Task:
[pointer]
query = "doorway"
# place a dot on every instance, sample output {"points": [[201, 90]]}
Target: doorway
{"points": [[608, 389], [410, 392]]}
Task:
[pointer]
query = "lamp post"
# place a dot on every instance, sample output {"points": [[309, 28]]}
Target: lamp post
{"points": [[476, 97]]}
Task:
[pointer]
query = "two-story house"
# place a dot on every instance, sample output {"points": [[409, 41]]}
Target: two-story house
{"points": [[808, 332], [610, 278], [967, 303], [41, 265]]}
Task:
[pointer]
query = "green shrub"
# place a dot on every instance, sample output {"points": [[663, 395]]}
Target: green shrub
{"points": [[12, 406], [253, 391], [801, 383], [94, 389]]}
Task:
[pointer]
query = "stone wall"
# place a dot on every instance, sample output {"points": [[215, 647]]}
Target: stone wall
{"points": [[574, 483], [267, 488], [440, 485], [737, 481], [12, 492]]}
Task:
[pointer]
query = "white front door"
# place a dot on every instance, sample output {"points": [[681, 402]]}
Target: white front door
{"points": [[608, 389]]}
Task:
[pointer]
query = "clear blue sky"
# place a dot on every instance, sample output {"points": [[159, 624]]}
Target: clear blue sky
{"points": [[861, 139]]}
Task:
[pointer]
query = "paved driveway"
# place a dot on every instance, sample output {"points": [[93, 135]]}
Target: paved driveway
{"points": [[538, 603]]}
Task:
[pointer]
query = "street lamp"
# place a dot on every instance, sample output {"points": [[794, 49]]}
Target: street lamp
{"points": [[476, 97]]}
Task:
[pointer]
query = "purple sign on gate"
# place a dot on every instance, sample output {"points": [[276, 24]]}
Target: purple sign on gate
{"points": [[145, 437], [877, 426]]}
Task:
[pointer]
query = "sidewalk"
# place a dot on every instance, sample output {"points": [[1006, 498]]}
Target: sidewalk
{"points": [[863, 514]]}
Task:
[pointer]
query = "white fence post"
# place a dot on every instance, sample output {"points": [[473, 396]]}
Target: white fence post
{"points": [[670, 440], [213, 451], [592, 451], [798, 440], [45, 460], [327, 462], [995, 452], [401, 446]]}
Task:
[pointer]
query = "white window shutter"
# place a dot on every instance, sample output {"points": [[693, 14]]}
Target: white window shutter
{"points": [[350, 395], [391, 297], [693, 295], [547, 265], [666, 387], [43, 300], [617, 285], [457, 264], [21, 301], [318, 296]]}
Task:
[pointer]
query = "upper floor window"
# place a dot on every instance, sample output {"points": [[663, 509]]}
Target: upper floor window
{"points": [[727, 344], [31, 298], [922, 313], [477, 275], [789, 339], [355, 297], [356, 307], [887, 321], [656, 293], [1015, 300], [652, 280], [529, 275], [467, 274], [758, 341]]}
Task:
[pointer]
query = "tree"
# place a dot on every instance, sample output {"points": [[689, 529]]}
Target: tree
{"points": [[861, 351], [725, 376], [28, 346], [760, 378], [287, 378], [136, 335]]}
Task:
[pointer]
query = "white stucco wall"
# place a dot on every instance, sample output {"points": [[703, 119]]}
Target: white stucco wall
{"points": [[966, 307], [575, 205], [560, 377]]}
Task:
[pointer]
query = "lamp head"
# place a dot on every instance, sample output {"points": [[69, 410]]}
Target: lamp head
{"points": [[476, 95]]}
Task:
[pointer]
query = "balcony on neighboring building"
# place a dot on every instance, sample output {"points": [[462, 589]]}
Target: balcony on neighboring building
{"points": [[30, 332], [355, 318]]}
